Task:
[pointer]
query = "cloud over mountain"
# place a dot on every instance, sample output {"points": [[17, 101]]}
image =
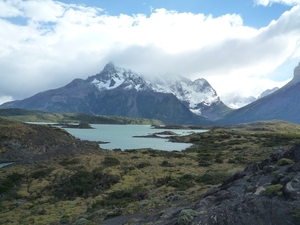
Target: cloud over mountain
{"points": [[51, 42]]}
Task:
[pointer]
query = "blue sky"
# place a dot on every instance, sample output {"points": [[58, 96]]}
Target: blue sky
{"points": [[252, 13], [240, 47]]}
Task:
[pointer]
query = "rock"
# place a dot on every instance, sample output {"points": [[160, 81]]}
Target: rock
{"points": [[292, 189]]}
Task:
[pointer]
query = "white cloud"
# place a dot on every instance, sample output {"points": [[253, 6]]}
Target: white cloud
{"points": [[7, 9], [5, 99], [61, 42], [270, 2]]}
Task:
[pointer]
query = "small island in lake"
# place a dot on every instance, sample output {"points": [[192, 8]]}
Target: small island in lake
{"points": [[81, 125], [156, 135]]}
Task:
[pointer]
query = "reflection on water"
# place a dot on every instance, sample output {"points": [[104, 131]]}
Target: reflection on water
{"points": [[121, 136]]}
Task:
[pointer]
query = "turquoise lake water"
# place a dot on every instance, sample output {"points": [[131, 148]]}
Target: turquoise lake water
{"points": [[5, 164], [121, 136]]}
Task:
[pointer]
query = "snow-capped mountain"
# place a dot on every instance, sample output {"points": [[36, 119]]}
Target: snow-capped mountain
{"points": [[197, 95], [112, 77], [194, 94], [236, 101], [120, 92]]}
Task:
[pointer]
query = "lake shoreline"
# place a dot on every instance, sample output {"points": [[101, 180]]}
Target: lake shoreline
{"points": [[133, 137]]}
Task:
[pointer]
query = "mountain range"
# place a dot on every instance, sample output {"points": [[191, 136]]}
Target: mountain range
{"points": [[282, 104], [117, 91], [235, 100]]}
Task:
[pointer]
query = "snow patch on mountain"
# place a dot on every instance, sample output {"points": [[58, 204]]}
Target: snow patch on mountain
{"points": [[235, 101], [109, 84], [194, 94], [113, 77]]}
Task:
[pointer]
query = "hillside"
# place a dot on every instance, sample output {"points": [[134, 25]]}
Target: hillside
{"points": [[282, 104], [24, 115], [27, 143], [148, 186]]}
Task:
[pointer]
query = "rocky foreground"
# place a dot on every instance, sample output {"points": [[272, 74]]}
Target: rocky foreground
{"points": [[263, 193]]}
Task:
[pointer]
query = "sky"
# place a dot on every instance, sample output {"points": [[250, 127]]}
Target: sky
{"points": [[239, 47]]}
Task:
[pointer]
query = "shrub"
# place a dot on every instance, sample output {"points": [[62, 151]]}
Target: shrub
{"points": [[41, 173], [232, 161], [219, 160], [66, 162], [284, 161], [186, 216], [121, 198], [182, 183], [143, 165], [15, 177], [163, 181], [275, 189], [110, 161], [10, 181], [84, 184], [296, 216], [211, 177], [166, 164]]}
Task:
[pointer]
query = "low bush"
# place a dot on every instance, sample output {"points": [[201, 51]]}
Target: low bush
{"points": [[41, 173], [275, 189], [110, 161], [121, 198], [284, 161], [186, 216], [182, 183], [67, 162], [211, 177], [84, 184], [9, 182], [166, 164], [143, 165], [163, 181]]}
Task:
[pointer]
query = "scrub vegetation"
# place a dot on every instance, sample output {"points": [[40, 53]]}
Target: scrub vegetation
{"points": [[97, 184]]}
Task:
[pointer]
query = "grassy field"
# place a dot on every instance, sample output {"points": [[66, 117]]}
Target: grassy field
{"points": [[103, 184]]}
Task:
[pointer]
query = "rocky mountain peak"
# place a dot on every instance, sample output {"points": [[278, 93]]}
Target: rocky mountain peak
{"points": [[194, 94], [202, 85], [297, 73], [109, 67]]}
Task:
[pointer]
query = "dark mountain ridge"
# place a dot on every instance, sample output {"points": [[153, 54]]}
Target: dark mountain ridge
{"points": [[282, 104]]}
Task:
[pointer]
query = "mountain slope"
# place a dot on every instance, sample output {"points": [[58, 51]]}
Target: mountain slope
{"points": [[282, 104], [199, 96], [114, 91]]}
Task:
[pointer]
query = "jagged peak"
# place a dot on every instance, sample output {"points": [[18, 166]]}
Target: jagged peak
{"points": [[109, 66], [297, 72], [201, 81], [296, 77]]}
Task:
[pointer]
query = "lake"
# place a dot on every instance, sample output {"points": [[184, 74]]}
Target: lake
{"points": [[5, 164], [121, 136]]}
